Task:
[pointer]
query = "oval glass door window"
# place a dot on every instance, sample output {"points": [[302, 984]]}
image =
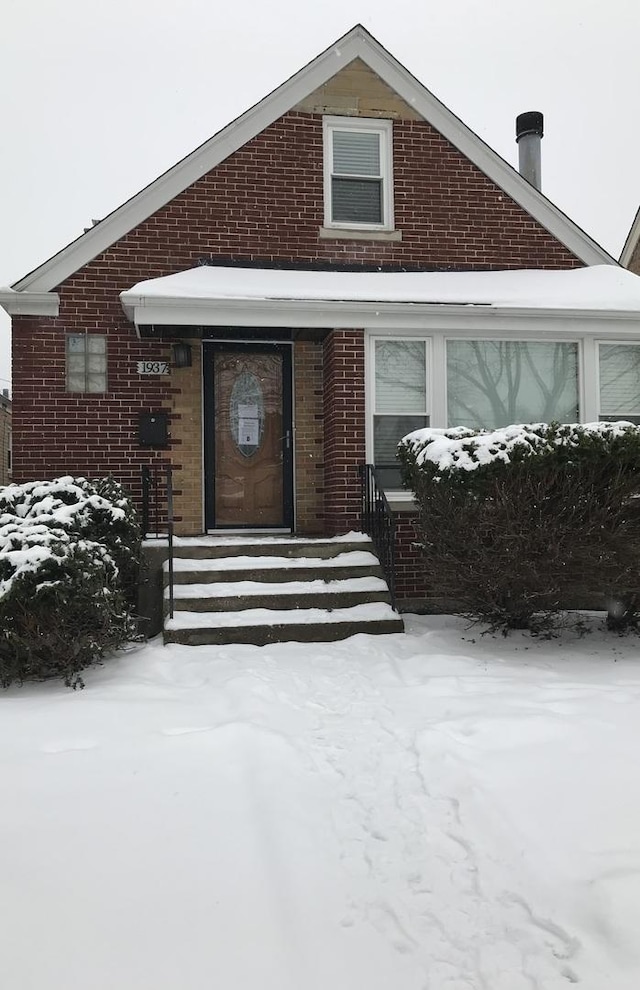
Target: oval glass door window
{"points": [[246, 413]]}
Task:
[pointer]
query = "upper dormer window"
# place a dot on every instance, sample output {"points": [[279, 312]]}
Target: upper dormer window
{"points": [[358, 191]]}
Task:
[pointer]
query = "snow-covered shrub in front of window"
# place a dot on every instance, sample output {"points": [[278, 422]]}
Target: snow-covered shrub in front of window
{"points": [[68, 561], [519, 522]]}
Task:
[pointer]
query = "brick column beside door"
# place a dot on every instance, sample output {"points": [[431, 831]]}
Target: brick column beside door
{"points": [[344, 428]]}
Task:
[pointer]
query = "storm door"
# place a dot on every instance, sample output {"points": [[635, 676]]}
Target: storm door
{"points": [[248, 436]]}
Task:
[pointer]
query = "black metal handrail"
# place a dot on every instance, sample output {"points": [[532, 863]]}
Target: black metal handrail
{"points": [[150, 501], [157, 488], [156, 483], [378, 521]]}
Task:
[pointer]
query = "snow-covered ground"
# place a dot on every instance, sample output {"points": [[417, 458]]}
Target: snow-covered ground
{"points": [[434, 811]]}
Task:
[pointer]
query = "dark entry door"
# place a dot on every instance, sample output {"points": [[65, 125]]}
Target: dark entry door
{"points": [[248, 436]]}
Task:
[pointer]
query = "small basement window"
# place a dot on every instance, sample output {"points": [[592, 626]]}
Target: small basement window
{"points": [[86, 361], [358, 190]]}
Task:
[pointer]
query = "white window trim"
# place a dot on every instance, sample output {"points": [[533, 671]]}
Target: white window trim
{"points": [[384, 128]]}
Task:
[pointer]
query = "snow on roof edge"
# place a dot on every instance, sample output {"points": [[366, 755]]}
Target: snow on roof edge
{"points": [[598, 287]]}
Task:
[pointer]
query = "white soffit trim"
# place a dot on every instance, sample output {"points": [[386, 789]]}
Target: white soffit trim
{"points": [[304, 315], [29, 303], [357, 43]]}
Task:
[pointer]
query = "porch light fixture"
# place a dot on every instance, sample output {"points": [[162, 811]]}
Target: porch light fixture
{"points": [[181, 355]]}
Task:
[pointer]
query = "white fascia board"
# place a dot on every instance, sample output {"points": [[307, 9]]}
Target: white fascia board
{"points": [[29, 303], [631, 241], [307, 314], [357, 43]]}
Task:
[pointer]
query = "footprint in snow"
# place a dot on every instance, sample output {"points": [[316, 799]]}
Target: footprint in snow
{"points": [[69, 746], [183, 730]]}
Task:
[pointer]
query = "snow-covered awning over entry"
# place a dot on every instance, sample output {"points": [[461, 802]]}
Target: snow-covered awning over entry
{"points": [[217, 296]]}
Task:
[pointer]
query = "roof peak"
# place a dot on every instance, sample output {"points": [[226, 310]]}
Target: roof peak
{"points": [[357, 42]]}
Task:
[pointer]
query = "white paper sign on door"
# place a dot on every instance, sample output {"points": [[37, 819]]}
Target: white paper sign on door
{"points": [[248, 432]]}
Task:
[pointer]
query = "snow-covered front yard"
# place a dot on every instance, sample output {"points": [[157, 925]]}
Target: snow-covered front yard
{"points": [[435, 811]]}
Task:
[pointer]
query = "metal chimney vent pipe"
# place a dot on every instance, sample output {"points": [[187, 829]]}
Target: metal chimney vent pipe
{"points": [[529, 131]]}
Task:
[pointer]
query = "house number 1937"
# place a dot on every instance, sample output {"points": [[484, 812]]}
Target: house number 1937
{"points": [[153, 367]]}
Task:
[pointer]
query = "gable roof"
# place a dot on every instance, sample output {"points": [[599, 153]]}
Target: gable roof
{"points": [[631, 242], [357, 43]]}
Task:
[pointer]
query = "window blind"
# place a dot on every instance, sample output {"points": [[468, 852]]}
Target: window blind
{"points": [[619, 380], [356, 153], [400, 376], [356, 200]]}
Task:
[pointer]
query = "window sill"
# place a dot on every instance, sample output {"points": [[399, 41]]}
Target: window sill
{"points": [[401, 502], [345, 234]]}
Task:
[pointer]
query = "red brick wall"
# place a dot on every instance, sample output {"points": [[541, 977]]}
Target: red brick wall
{"points": [[410, 577], [344, 428], [309, 436], [264, 202], [61, 433]]}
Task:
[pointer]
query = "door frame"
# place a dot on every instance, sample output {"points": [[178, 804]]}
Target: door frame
{"points": [[209, 349]]}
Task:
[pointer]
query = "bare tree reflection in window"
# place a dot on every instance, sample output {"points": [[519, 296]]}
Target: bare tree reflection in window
{"points": [[497, 382]]}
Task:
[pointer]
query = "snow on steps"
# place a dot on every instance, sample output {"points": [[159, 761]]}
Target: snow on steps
{"points": [[348, 564], [275, 589], [279, 546], [265, 625], [235, 595]]}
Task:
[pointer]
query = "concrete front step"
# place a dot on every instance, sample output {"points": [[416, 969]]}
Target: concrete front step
{"points": [[263, 635], [261, 626], [228, 596], [210, 547], [275, 589], [350, 564]]}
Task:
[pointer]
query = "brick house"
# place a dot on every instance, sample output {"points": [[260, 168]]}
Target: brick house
{"points": [[339, 265]]}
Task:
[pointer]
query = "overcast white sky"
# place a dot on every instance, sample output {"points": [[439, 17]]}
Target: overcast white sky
{"points": [[99, 97]]}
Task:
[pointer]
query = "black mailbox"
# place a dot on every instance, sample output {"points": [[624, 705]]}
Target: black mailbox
{"points": [[153, 429]]}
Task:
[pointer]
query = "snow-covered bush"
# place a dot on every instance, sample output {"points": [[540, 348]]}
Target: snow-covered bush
{"points": [[96, 510], [69, 554], [516, 523]]}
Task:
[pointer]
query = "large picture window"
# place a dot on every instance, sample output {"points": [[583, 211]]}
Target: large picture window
{"points": [[401, 402], [493, 383], [620, 382], [486, 383], [357, 176]]}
